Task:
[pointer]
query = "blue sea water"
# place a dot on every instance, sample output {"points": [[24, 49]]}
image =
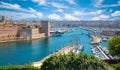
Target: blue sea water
{"points": [[22, 52]]}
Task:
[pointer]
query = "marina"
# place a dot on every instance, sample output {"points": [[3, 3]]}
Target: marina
{"points": [[101, 53], [59, 31], [59, 35], [56, 33], [34, 50]]}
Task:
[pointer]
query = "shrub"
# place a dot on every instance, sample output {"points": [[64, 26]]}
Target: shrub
{"points": [[73, 62]]}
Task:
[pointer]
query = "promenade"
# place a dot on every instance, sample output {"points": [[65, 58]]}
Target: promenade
{"points": [[64, 50]]}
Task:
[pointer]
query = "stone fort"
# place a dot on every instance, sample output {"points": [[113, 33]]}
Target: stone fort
{"points": [[10, 31]]}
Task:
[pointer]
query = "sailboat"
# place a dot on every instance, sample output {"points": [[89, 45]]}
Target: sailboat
{"points": [[77, 48]]}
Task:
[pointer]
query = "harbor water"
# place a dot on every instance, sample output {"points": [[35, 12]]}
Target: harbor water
{"points": [[23, 52]]}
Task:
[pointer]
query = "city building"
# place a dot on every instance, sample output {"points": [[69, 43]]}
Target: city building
{"points": [[111, 32]]}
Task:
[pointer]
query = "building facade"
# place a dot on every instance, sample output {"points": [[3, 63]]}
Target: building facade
{"points": [[111, 32]]}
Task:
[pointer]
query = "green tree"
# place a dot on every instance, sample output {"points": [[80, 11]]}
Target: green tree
{"points": [[73, 62], [116, 66], [114, 46]]}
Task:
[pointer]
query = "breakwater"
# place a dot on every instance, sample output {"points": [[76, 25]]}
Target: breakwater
{"points": [[64, 50]]}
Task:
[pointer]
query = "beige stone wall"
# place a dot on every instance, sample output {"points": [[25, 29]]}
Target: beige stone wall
{"points": [[25, 33], [8, 33], [36, 34], [31, 33]]}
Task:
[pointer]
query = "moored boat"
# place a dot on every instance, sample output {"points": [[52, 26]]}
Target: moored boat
{"points": [[77, 49]]}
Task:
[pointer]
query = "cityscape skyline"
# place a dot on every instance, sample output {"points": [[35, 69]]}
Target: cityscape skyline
{"points": [[60, 10]]}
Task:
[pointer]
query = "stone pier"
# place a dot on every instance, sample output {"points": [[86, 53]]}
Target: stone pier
{"points": [[64, 50]]}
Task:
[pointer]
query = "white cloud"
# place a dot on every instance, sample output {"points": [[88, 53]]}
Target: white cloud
{"points": [[101, 17], [10, 6], [78, 13], [70, 17], [17, 7], [17, 15], [112, 5], [99, 4], [96, 12], [54, 16], [116, 13], [58, 5], [38, 14], [118, 2], [71, 1], [30, 13], [95, 18], [110, 10], [59, 10], [40, 2]]}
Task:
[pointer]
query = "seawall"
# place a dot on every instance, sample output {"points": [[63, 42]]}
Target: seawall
{"points": [[64, 50]]}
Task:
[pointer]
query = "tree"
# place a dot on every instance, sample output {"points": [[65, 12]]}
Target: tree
{"points": [[73, 62], [114, 46], [116, 66]]}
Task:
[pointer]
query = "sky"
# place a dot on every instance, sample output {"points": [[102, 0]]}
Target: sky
{"points": [[70, 10]]}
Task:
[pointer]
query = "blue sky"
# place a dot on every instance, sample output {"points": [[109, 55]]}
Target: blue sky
{"points": [[60, 9]]}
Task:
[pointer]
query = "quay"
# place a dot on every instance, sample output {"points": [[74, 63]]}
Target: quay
{"points": [[64, 50], [104, 54], [95, 39], [101, 53]]}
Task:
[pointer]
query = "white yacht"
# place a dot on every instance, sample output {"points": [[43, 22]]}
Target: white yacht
{"points": [[77, 48]]}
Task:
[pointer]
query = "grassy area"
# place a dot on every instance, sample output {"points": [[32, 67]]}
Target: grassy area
{"points": [[18, 67]]}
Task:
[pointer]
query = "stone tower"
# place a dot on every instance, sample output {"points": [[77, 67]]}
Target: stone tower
{"points": [[3, 19], [45, 27]]}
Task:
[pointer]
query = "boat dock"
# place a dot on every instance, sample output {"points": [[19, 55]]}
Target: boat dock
{"points": [[77, 49], [101, 53], [64, 50], [61, 29]]}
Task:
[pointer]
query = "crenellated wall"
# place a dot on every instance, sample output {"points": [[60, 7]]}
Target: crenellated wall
{"points": [[31, 33]]}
